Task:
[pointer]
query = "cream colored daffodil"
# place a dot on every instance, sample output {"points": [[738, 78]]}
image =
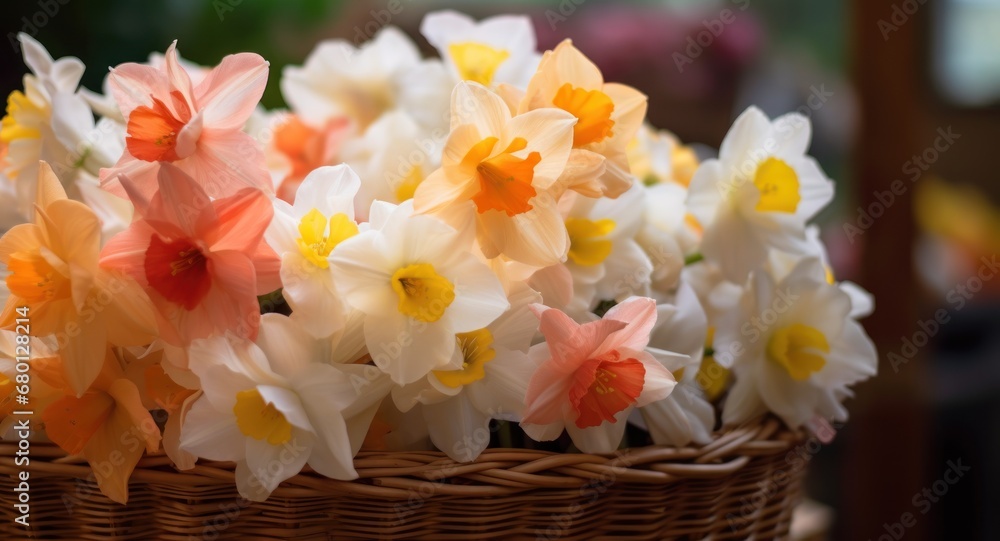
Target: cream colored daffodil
{"points": [[608, 117], [503, 171], [368, 81]]}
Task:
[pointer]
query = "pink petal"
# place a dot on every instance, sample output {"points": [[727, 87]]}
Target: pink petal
{"points": [[639, 315], [226, 161], [134, 85], [231, 91], [126, 251], [231, 304], [242, 220], [142, 175], [181, 207], [177, 75]]}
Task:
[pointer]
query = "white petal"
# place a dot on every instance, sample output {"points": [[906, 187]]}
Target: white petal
{"points": [[457, 428]]}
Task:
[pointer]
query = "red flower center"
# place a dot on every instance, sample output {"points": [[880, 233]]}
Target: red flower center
{"points": [[603, 387], [177, 270]]}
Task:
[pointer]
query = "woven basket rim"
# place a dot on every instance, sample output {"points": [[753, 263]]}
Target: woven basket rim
{"points": [[395, 475]]}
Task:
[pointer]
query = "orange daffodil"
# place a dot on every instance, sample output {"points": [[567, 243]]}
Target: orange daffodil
{"points": [[197, 128], [54, 272], [608, 117], [503, 170], [108, 425]]}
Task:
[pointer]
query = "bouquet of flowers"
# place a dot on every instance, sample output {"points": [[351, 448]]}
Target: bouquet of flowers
{"points": [[414, 249]]}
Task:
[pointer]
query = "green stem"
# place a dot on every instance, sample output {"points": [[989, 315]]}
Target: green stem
{"points": [[693, 258]]}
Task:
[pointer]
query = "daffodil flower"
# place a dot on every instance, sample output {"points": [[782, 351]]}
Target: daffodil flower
{"points": [[457, 405], [591, 376], [795, 348], [278, 404], [759, 193], [304, 235], [365, 82], [503, 171], [608, 117], [197, 128], [54, 273], [418, 285], [203, 262], [107, 424], [498, 49]]}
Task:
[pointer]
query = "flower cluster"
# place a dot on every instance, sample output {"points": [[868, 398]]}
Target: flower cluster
{"points": [[435, 245]]}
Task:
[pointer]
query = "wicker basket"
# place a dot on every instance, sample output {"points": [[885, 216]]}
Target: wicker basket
{"points": [[743, 485]]}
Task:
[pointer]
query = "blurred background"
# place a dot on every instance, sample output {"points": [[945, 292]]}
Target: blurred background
{"points": [[904, 96]]}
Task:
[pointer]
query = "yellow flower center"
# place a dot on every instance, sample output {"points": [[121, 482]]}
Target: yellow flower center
{"points": [[798, 348], [476, 61], [317, 241], [34, 280], [592, 108], [408, 185], [477, 350], [588, 245], [260, 420], [424, 294], [19, 109], [778, 185], [711, 376], [504, 180]]}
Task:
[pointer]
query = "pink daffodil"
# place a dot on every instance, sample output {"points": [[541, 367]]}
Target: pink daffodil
{"points": [[198, 128], [591, 376], [203, 262]]}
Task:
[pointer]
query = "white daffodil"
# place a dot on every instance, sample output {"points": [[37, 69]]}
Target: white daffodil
{"points": [[392, 158], [274, 406], [48, 121], [495, 50], [669, 234], [604, 259], [780, 264], [685, 415], [305, 235], [418, 285], [457, 405], [365, 82], [759, 193], [795, 348]]}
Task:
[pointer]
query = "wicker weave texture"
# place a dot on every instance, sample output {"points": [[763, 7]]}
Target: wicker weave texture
{"points": [[743, 485]]}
